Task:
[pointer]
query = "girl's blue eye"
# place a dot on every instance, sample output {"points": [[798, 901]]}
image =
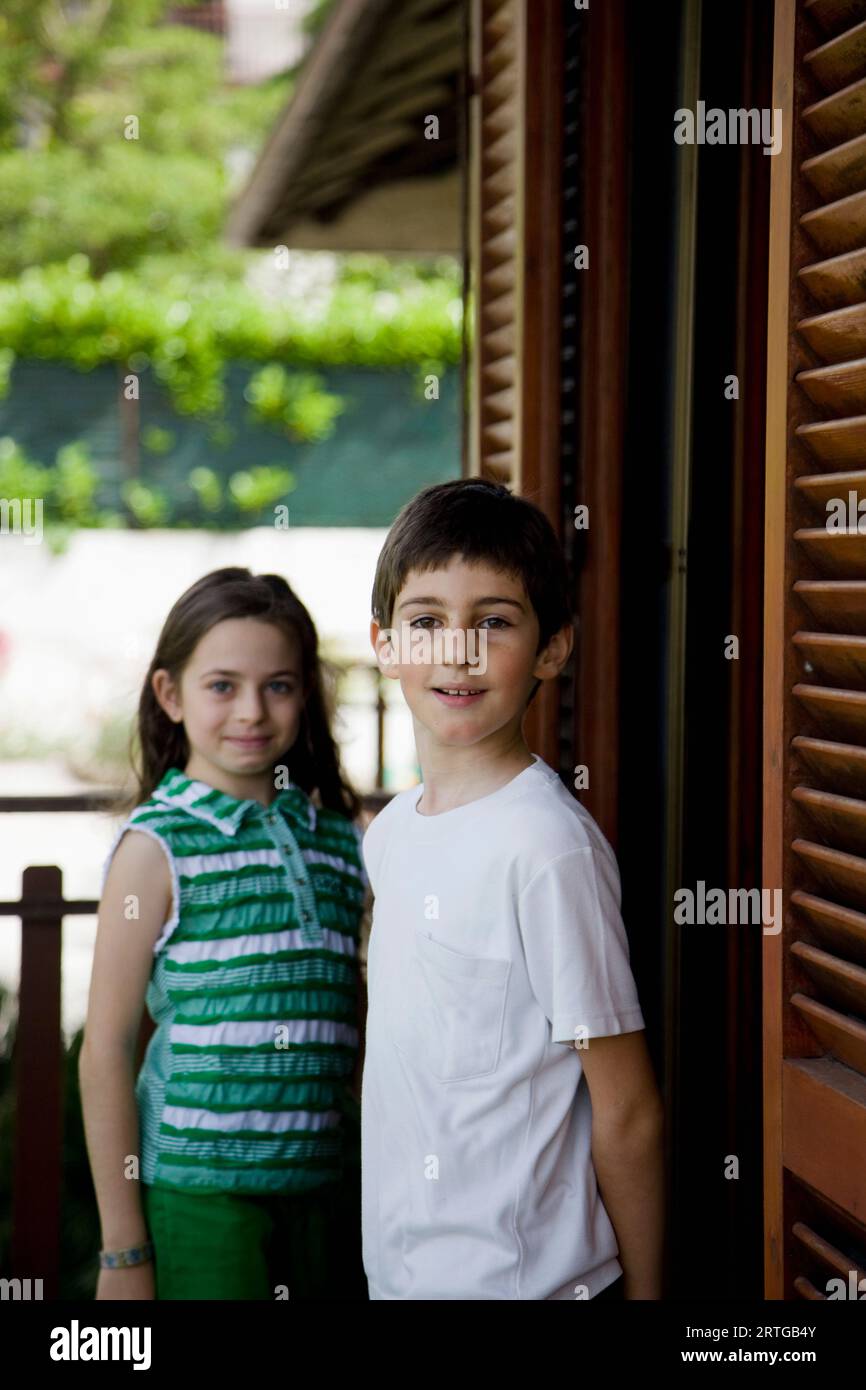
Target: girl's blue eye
{"points": [[221, 686]]}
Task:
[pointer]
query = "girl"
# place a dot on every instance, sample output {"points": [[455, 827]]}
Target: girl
{"points": [[232, 901]]}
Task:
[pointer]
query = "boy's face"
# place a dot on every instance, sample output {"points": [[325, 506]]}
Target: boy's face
{"points": [[471, 599]]}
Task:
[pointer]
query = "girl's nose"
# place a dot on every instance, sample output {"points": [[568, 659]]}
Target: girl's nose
{"points": [[251, 704]]}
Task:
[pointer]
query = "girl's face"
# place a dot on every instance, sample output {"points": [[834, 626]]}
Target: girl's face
{"points": [[240, 700]]}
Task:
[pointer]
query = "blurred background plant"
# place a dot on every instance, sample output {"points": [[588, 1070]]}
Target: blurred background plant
{"points": [[122, 146]]}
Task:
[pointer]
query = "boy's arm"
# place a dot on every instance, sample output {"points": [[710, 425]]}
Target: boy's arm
{"points": [[628, 1154]]}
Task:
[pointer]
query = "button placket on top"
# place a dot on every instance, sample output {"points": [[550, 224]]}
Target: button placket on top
{"points": [[293, 862]]}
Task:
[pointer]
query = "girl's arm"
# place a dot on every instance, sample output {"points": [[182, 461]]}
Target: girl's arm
{"points": [[136, 902]]}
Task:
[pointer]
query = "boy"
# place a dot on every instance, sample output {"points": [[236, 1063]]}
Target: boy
{"points": [[498, 970]]}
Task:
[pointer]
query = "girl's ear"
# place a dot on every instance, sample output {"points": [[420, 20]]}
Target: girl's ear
{"points": [[166, 693]]}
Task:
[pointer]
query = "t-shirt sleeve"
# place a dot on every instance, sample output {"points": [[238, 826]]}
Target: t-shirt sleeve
{"points": [[576, 947], [359, 836], [371, 849]]}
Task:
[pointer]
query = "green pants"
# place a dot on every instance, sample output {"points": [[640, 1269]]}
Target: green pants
{"points": [[230, 1246]]}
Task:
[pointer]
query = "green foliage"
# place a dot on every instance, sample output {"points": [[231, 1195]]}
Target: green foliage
{"points": [[70, 493], [187, 324], [156, 440], [295, 403], [119, 141], [149, 505], [74, 485], [260, 487], [67, 490], [114, 208], [207, 488]]}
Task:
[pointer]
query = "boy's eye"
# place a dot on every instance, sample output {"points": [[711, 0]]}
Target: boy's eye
{"points": [[219, 686], [492, 619]]}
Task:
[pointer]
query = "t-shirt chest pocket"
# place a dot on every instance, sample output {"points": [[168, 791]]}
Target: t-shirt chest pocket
{"points": [[450, 1014]]}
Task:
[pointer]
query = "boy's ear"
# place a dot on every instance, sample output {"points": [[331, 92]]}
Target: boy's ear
{"points": [[555, 655], [380, 640]]}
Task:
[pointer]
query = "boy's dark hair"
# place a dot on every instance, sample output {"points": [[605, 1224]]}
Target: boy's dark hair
{"points": [[480, 521]]}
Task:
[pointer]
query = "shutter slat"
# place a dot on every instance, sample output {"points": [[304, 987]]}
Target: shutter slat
{"points": [[842, 712], [497, 438], [820, 488], [498, 153], [843, 874], [500, 343], [837, 118], [839, 61], [499, 405], [837, 335], [498, 312], [837, 657], [834, 1260], [841, 1035], [500, 279], [836, 552], [842, 928], [839, 604], [836, 441], [839, 280], [499, 217], [833, 15], [841, 820], [499, 374], [838, 227], [840, 387], [839, 171], [500, 467], [499, 120], [838, 980]]}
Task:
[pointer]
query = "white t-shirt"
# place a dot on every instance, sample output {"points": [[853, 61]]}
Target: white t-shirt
{"points": [[496, 938]]}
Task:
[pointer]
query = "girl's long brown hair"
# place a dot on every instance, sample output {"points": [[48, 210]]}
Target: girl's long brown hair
{"points": [[314, 760]]}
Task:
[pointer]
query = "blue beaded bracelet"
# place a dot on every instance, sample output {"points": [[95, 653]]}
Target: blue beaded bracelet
{"points": [[123, 1259]]}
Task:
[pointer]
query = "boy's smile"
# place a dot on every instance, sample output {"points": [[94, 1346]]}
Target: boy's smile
{"points": [[459, 698]]}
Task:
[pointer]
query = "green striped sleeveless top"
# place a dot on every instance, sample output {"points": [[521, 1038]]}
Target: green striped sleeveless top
{"points": [[253, 990]]}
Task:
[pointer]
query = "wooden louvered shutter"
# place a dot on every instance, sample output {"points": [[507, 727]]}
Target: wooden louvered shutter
{"points": [[815, 656], [495, 237], [514, 244], [515, 284]]}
